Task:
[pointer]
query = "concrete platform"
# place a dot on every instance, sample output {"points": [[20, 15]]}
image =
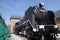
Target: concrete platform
{"points": [[16, 37]]}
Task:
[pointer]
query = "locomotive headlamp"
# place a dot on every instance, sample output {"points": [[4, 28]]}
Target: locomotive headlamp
{"points": [[42, 3], [41, 26]]}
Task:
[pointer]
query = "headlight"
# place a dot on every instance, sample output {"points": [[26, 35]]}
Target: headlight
{"points": [[41, 26], [42, 3], [34, 29]]}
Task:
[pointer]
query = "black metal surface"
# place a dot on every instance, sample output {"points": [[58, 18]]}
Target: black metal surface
{"points": [[33, 18]]}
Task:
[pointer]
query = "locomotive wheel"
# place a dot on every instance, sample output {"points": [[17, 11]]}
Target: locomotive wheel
{"points": [[16, 32]]}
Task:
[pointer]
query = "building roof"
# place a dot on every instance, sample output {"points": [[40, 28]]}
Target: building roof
{"points": [[57, 17], [15, 17]]}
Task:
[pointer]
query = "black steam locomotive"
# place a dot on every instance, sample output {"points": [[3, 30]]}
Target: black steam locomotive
{"points": [[37, 24]]}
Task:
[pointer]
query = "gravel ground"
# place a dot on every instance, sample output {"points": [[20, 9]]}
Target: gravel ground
{"points": [[16, 37], [23, 38]]}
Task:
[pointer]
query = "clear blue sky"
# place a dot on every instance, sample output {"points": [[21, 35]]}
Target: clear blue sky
{"points": [[10, 8]]}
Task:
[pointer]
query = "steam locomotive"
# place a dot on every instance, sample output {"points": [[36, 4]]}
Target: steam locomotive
{"points": [[37, 24]]}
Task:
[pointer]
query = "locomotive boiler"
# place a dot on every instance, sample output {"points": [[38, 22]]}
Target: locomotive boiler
{"points": [[37, 24]]}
